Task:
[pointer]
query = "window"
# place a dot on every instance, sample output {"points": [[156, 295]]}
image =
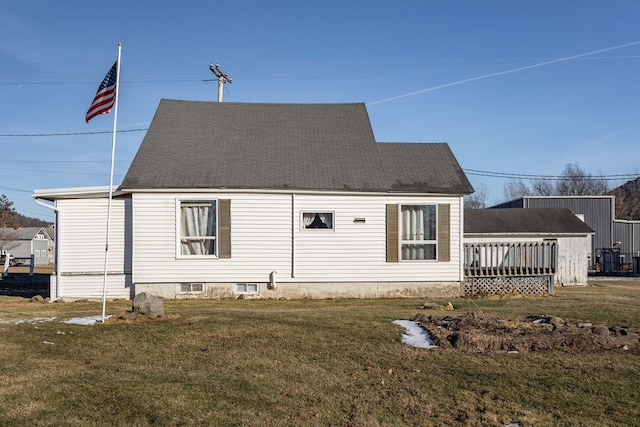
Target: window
{"points": [[191, 287], [247, 288], [198, 228], [418, 232], [317, 220]]}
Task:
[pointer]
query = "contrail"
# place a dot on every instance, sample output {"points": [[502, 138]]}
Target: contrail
{"points": [[501, 73]]}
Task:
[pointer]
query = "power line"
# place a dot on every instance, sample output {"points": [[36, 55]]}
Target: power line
{"points": [[15, 189], [505, 175], [64, 162], [69, 133]]}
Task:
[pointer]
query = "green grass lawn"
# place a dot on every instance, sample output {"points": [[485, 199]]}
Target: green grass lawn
{"points": [[308, 362]]}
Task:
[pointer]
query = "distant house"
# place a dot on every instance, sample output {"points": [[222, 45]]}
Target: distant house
{"points": [[531, 244], [26, 241], [267, 200]]}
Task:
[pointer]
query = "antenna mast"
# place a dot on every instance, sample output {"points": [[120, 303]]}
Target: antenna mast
{"points": [[222, 78]]}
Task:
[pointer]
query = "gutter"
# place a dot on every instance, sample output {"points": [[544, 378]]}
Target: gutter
{"points": [[57, 258]]}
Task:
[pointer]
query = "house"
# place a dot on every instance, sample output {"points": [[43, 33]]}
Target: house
{"points": [[23, 242], [270, 201], [548, 246]]}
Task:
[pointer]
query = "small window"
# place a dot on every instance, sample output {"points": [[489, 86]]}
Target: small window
{"points": [[247, 288], [191, 287], [317, 220]]}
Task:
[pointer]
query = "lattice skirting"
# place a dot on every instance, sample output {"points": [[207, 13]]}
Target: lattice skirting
{"points": [[530, 285]]}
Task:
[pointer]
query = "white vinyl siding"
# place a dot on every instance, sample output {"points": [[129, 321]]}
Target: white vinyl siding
{"points": [[356, 251], [81, 246], [262, 241]]}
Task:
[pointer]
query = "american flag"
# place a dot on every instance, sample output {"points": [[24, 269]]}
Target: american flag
{"points": [[106, 95]]}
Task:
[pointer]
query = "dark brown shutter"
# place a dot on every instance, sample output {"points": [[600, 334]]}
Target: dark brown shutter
{"points": [[224, 228], [392, 233], [444, 233]]}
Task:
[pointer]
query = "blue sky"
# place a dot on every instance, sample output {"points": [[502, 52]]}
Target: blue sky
{"points": [[514, 87]]}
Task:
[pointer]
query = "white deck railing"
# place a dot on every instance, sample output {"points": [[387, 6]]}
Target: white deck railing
{"points": [[510, 259]]}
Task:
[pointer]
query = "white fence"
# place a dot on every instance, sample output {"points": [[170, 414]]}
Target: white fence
{"points": [[7, 261], [510, 259]]}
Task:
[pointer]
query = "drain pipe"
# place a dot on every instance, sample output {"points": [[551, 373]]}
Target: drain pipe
{"points": [[272, 280], [57, 253]]}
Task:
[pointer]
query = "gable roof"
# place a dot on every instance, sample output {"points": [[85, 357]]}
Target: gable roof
{"points": [[523, 221], [201, 145], [23, 233]]}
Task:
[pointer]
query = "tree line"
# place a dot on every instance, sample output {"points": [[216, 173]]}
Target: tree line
{"points": [[573, 181]]}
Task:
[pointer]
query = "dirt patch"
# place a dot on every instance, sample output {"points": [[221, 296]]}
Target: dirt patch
{"points": [[473, 332]]}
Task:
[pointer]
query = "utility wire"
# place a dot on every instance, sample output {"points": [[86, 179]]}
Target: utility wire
{"points": [[69, 133], [548, 177]]}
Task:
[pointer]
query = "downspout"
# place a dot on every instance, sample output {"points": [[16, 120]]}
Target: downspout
{"points": [[57, 251], [293, 235], [272, 280], [461, 245]]}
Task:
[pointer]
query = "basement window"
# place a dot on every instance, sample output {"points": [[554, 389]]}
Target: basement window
{"points": [[187, 288], [247, 288]]}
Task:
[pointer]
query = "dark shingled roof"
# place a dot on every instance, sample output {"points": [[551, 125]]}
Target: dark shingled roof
{"points": [[523, 221], [284, 146]]}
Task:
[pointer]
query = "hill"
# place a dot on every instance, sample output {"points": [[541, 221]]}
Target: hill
{"points": [[25, 221], [627, 200]]}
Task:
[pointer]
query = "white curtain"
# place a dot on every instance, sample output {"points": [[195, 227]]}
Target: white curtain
{"points": [[198, 220], [418, 224], [325, 219], [307, 219]]}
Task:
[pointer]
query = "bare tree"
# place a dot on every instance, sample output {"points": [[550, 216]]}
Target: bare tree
{"points": [[573, 181], [477, 200], [543, 187], [576, 182], [515, 189]]}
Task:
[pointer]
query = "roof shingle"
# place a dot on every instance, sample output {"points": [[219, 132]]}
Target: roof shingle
{"points": [[193, 144], [523, 221]]}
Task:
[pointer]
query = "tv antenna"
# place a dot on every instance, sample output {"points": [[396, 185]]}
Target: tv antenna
{"points": [[222, 78]]}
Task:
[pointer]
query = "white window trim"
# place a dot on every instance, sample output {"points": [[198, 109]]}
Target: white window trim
{"points": [[318, 230], [178, 230], [412, 242]]}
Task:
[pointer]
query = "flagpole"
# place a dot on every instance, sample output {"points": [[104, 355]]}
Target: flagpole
{"points": [[113, 153]]}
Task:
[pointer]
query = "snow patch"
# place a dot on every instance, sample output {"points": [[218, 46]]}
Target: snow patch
{"points": [[414, 335], [85, 321]]}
